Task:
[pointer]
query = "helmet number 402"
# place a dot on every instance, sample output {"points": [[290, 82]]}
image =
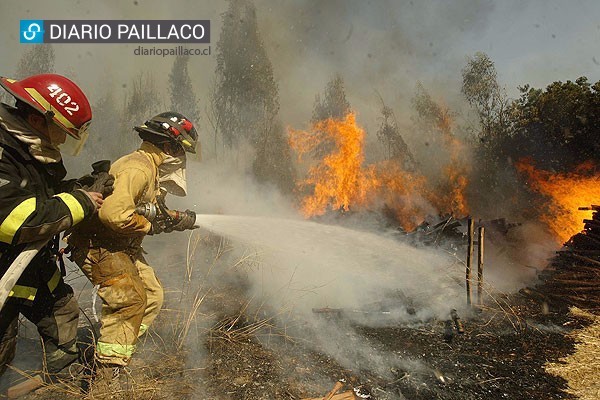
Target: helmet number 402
{"points": [[63, 99]]}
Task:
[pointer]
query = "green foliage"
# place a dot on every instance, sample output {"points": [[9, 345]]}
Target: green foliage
{"points": [[559, 126], [481, 89]]}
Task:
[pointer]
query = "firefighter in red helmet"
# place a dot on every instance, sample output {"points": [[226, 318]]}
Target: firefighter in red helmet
{"points": [[36, 204], [110, 252]]}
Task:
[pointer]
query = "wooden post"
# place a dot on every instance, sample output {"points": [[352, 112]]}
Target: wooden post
{"points": [[471, 231], [480, 265]]}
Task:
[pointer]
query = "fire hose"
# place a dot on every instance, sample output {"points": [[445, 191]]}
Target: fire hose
{"points": [[14, 272]]}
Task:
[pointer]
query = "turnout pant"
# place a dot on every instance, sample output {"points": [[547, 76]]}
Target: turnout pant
{"points": [[131, 299], [55, 314]]}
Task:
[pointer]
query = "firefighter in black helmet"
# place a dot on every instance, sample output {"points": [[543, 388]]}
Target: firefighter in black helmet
{"points": [[110, 252]]}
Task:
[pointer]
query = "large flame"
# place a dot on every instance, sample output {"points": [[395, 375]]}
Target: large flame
{"points": [[566, 193], [340, 181]]}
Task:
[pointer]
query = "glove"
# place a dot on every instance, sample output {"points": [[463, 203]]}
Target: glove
{"points": [[180, 221], [158, 226], [101, 182], [187, 220]]}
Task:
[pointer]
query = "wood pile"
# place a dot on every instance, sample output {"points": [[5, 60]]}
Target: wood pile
{"points": [[573, 277]]}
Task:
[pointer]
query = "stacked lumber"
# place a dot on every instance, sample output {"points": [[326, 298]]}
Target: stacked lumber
{"points": [[573, 278]]}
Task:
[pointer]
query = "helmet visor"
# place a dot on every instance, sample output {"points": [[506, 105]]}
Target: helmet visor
{"points": [[73, 146]]}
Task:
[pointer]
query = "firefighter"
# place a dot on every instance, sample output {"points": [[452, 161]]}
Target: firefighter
{"points": [[37, 204], [110, 253]]}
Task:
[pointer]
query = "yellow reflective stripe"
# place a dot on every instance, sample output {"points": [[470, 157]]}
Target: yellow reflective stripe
{"points": [[23, 292], [10, 80], [15, 219], [115, 350], [75, 207], [53, 282], [57, 114]]}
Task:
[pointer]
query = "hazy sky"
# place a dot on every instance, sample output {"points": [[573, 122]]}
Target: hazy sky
{"points": [[380, 46]]}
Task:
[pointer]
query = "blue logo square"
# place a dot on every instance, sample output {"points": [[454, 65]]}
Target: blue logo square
{"points": [[32, 31]]}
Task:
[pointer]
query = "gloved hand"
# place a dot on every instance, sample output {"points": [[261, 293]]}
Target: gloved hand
{"points": [[101, 182], [158, 226], [187, 220], [179, 221]]}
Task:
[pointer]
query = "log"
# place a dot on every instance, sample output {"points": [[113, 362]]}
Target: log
{"points": [[21, 389], [338, 386], [583, 251], [593, 207], [578, 282], [584, 258], [349, 395]]}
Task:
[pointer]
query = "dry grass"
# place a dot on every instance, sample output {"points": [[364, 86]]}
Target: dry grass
{"points": [[581, 369]]}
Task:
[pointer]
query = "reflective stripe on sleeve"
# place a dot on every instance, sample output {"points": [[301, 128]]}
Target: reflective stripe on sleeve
{"points": [[23, 292], [77, 213], [15, 219], [53, 282]]}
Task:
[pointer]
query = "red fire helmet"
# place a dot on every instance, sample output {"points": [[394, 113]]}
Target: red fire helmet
{"points": [[56, 97]]}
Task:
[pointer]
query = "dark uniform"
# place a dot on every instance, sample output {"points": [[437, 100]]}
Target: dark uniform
{"points": [[36, 204]]}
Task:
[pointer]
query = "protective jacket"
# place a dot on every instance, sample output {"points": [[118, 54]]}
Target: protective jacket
{"points": [[108, 250], [35, 204], [117, 226]]}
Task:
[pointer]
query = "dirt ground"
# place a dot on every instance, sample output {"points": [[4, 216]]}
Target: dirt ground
{"points": [[207, 344]]}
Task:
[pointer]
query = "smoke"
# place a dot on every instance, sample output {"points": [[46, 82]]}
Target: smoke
{"points": [[376, 46]]}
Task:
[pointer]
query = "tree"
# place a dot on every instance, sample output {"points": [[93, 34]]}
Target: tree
{"points": [[438, 120], [333, 105], [494, 173], [245, 103], [183, 98], [430, 115], [481, 89], [389, 135], [246, 95], [273, 162], [559, 126]]}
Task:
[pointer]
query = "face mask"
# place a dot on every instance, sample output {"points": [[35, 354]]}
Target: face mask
{"points": [[171, 175]]}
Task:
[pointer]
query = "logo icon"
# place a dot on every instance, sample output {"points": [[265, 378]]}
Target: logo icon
{"points": [[32, 31]]}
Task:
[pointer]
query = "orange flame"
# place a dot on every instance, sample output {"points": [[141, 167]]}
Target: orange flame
{"points": [[566, 192], [340, 181]]}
